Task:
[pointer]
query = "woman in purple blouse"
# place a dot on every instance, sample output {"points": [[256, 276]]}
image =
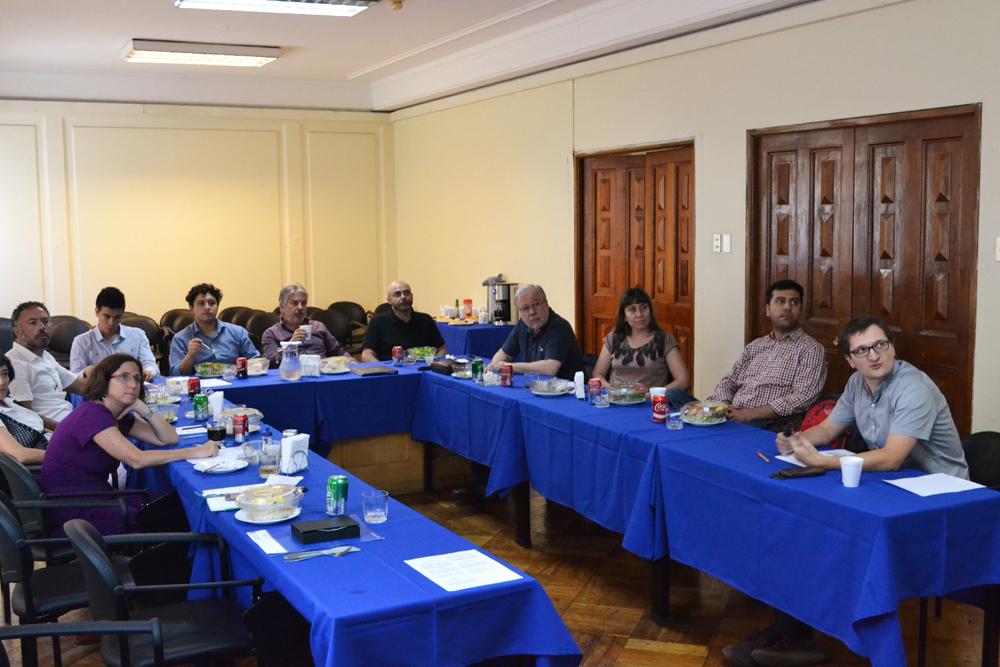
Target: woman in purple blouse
{"points": [[92, 440]]}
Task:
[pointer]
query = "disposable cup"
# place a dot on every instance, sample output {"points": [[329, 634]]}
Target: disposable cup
{"points": [[850, 470]]}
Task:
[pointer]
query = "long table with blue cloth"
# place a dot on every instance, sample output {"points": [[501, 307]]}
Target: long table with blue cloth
{"points": [[479, 339], [371, 608], [618, 469]]}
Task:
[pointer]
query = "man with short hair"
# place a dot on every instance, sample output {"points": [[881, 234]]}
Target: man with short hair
{"points": [[545, 342], [293, 301], [401, 326], [110, 336], [40, 383], [208, 338], [904, 420], [779, 375]]}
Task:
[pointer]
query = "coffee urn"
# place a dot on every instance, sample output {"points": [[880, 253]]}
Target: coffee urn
{"points": [[500, 299]]}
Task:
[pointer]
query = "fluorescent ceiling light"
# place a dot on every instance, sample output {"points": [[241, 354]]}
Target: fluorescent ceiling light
{"points": [[323, 7], [196, 53]]}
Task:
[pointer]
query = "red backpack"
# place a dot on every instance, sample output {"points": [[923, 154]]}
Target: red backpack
{"points": [[819, 411]]}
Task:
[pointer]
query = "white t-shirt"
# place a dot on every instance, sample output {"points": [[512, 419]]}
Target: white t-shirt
{"points": [[41, 380], [18, 413]]}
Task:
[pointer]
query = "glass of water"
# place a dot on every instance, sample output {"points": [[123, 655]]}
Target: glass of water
{"points": [[375, 506], [674, 421]]}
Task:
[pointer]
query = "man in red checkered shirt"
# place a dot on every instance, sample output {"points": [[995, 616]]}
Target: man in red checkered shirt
{"points": [[780, 375]]}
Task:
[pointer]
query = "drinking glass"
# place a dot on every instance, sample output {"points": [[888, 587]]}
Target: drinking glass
{"points": [[375, 506], [602, 400], [228, 372], [674, 420], [270, 455]]}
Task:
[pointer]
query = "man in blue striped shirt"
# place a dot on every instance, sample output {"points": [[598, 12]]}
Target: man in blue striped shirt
{"points": [[110, 336], [208, 338]]}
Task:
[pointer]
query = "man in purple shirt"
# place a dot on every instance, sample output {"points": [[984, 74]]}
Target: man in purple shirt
{"points": [[294, 325]]}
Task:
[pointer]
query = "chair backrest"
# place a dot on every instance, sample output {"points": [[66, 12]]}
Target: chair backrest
{"points": [[176, 319], [355, 311], [61, 335], [105, 589], [153, 331], [15, 558], [337, 323], [382, 308], [982, 453], [258, 323], [227, 314], [6, 335], [24, 486], [37, 631], [243, 316]]}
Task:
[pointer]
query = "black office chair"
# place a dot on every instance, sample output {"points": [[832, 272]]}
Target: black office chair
{"points": [[358, 317], [382, 308], [339, 326], [243, 316], [62, 330], [43, 594], [6, 335], [149, 627], [258, 324], [192, 630], [154, 332], [176, 319], [982, 454]]}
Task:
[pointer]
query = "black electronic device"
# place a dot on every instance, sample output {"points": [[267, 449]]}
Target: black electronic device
{"points": [[332, 528]]}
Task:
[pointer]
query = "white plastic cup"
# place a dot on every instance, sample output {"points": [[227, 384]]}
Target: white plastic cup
{"points": [[850, 470], [307, 329]]}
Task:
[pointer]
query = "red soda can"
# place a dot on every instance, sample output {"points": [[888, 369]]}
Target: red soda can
{"points": [[398, 354], [507, 375], [593, 389], [239, 428], [194, 387], [658, 397], [241, 368]]}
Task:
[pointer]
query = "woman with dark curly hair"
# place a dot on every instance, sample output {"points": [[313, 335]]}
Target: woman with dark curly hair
{"points": [[640, 352], [89, 444]]}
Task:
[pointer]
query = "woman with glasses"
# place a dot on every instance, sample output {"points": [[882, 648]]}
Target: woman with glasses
{"points": [[92, 440], [640, 352], [21, 430]]}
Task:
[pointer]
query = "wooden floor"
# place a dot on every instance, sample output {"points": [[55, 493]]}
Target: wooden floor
{"points": [[602, 594]]}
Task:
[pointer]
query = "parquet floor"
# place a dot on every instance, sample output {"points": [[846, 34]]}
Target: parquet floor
{"points": [[602, 594]]}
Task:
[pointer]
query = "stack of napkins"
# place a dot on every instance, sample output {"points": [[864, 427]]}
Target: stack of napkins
{"points": [[294, 453]]}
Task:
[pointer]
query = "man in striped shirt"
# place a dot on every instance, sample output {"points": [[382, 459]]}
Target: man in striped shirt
{"points": [[780, 375]]}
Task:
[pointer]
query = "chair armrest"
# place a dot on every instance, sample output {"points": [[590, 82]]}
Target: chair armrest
{"points": [[37, 630], [169, 588], [96, 494], [156, 538], [55, 504]]}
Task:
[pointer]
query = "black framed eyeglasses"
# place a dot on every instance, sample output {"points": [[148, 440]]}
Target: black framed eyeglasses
{"points": [[862, 350]]}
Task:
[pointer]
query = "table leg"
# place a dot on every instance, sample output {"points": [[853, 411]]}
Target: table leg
{"points": [[428, 467], [991, 627], [660, 611], [522, 514]]}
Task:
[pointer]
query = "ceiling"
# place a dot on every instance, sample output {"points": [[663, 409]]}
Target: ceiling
{"points": [[379, 60]]}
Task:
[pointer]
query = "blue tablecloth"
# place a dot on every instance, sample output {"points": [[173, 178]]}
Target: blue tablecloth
{"points": [[482, 340], [838, 559], [370, 608]]}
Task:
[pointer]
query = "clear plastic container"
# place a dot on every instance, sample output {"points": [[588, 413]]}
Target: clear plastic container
{"points": [[270, 503]]}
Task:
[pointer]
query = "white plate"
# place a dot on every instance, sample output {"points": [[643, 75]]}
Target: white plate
{"points": [[324, 371], [240, 516], [720, 420], [549, 394], [219, 467]]}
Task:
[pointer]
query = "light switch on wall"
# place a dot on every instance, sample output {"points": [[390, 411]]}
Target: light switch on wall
{"points": [[716, 242], [727, 243]]}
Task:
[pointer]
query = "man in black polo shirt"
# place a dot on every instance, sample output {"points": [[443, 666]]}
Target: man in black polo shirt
{"points": [[401, 326], [544, 340]]}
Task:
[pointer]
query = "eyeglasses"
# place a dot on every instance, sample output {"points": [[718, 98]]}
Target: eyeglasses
{"points": [[528, 307], [128, 379], [862, 350]]}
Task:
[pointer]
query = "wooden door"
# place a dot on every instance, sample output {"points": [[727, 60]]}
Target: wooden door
{"points": [[876, 217], [638, 231]]}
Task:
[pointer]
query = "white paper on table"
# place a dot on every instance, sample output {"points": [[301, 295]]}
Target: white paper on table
{"points": [[193, 429], [213, 383], [462, 569], [266, 542], [836, 453], [934, 484], [225, 454]]}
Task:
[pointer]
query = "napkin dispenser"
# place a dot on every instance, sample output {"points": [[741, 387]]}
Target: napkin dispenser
{"points": [[294, 454], [331, 528]]}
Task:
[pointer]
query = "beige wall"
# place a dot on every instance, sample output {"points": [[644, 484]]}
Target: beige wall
{"points": [[156, 199], [804, 66]]}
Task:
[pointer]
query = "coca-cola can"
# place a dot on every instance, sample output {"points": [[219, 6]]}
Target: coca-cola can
{"points": [[194, 387], [593, 389], [507, 375], [241, 368], [658, 397], [398, 354], [239, 428]]}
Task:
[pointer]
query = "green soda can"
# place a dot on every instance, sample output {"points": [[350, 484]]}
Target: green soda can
{"points": [[336, 495], [477, 370], [201, 407]]}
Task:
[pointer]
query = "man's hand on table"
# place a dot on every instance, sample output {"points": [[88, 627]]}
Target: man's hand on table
{"points": [[805, 452]]}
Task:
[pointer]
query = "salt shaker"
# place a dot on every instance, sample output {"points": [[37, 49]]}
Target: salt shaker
{"points": [[580, 385]]}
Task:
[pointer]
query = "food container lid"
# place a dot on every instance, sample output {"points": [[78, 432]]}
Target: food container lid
{"points": [[269, 495]]}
